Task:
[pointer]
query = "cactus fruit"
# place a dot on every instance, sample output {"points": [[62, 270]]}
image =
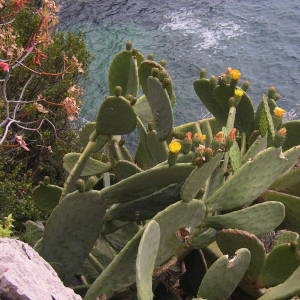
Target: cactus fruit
{"points": [[92, 166], [224, 275], [145, 261]]}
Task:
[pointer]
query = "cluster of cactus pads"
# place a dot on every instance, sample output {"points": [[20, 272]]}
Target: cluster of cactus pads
{"points": [[213, 205]]}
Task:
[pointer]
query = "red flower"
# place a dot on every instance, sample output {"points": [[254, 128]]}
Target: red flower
{"points": [[4, 66]]}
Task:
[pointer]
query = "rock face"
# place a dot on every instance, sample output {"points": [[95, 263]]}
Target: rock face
{"points": [[24, 275]]}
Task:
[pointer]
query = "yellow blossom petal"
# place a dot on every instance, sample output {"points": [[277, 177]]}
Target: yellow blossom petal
{"points": [[238, 92], [235, 74], [174, 147], [279, 112]]}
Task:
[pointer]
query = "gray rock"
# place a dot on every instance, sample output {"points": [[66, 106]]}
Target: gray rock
{"points": [[24, 275]]}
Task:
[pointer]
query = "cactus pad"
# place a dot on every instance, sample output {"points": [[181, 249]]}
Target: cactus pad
{"points": [[46, 197], [71, 231], [145, 261], [253, 178], [229, 240], [257, 219], [159, 102], [146, 183], [198, 177], [91, 167], [224, 275], [116, 116]]}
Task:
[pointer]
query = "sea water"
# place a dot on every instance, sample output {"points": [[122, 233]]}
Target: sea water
{"points": [[259, 37]]}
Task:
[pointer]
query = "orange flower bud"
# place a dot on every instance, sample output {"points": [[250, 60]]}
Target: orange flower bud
{"points": [[232, 134], [219, 137], [282, 131]]}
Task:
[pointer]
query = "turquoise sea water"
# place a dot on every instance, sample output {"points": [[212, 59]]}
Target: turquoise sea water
{"points": [[259, 37]]}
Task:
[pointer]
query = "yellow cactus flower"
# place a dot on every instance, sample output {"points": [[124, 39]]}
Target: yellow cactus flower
{"points": [[200, 137], [238, 92], [174, 147], [279, 112], [235, 74]]}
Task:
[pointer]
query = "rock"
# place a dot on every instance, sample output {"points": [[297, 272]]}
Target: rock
{"points": [[25, 275]]}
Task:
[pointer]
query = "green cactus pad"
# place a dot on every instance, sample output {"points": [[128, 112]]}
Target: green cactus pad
{"points": [[198, 177], [92, 166], [71, 232], [259, 144], [203, 238], [235, 156], [85, 133], [224, 275], [124, 169], [286, 237], [292, 136], [253, 178], [292, 208], [123, 71], [46, 197], [145, 207], [145, 71], [143, 110], [216, 101], [146, 183], [257, 219], [264, 119], [145, 261], [116, 116], [229, 240], [33, 232], [288, 183], [159, 102], [281, 262], [191, 214], [285, 290], [158, 149]]}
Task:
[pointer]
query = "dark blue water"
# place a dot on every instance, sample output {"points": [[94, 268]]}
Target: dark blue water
{"points": [[259, 37]]}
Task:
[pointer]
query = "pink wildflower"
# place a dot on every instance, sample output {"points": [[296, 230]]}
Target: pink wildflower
{"points": [[21, 142], [71, 108], [4, 66]]}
